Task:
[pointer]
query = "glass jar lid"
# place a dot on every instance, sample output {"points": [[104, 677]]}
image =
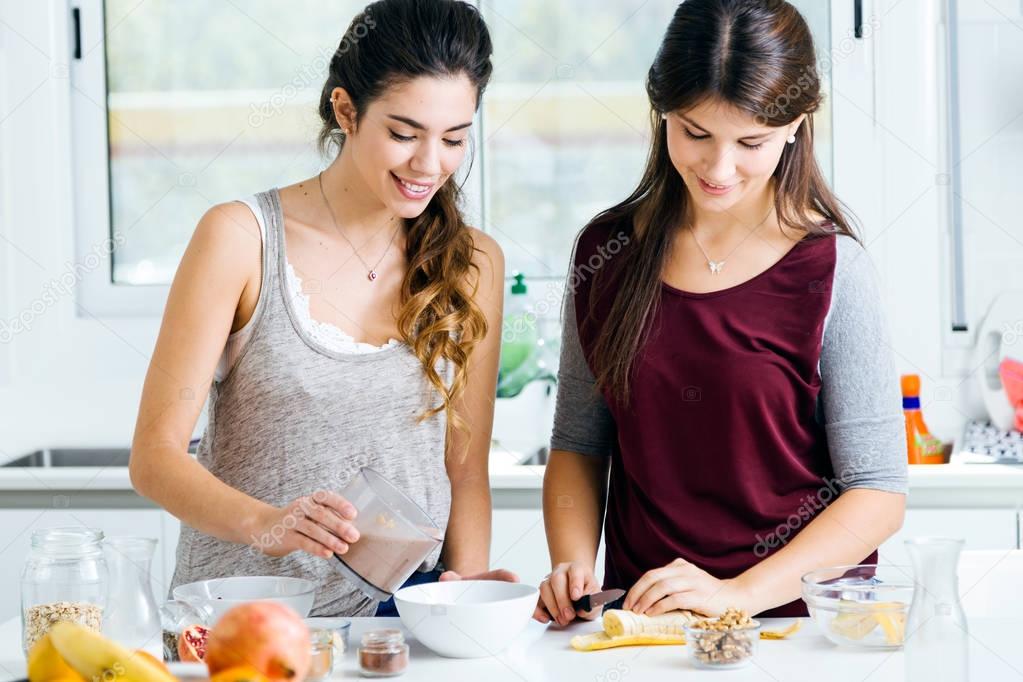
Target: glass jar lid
{"points": [[69, 542], [382, 639]]}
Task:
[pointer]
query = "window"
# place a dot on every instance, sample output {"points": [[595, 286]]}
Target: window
{"points": [[191, 103], [986, 141], [188, 104], [566, 122]]}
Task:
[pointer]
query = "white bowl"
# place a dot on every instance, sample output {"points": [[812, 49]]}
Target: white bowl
{"points": [[466, 618], [221, 594]]}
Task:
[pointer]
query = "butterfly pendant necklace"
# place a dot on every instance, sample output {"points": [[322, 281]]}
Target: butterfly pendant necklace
{"points": [[715, 265]]}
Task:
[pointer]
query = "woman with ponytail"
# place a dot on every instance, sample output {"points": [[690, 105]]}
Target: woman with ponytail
{"points": [[727, 404], [349, 320]]}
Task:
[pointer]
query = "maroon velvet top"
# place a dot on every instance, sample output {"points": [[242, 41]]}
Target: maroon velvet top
{"points": [[720, 453]]}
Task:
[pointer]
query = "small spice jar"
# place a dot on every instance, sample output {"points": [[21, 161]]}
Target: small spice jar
{"points": [[65, 579], [383, 653]]}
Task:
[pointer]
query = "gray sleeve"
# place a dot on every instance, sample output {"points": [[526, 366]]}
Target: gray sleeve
{"points": [[861, 399], [582, 422]]}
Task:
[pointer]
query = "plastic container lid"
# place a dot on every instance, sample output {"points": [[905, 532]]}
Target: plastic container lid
{"points": [[910, 385]]}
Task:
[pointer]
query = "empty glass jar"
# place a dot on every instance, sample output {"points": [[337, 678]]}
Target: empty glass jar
{"points": [[64, 579]]}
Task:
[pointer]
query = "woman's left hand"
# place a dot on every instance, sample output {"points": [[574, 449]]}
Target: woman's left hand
{"points": [[496, 574], [682, 585]]}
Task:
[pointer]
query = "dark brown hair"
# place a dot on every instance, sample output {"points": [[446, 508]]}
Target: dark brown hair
{"points": [[392, 42], [758, 56]]}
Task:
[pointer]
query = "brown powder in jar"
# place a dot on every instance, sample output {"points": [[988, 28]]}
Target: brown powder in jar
{"points": [[383, 661]]}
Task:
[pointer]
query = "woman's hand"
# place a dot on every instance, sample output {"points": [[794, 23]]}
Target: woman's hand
{"points": [[682, 585], [496, 574], [318, 524], [567, 582]]}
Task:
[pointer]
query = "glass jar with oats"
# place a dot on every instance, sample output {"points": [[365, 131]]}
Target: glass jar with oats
{"points": [[64, 579]]}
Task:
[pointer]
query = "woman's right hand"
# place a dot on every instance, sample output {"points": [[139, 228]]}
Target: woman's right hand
{"points": [[318, 524], [567, 582]]}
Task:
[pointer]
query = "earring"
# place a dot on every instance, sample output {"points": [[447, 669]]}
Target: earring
{"points": [[792, 139], [664, 116]]}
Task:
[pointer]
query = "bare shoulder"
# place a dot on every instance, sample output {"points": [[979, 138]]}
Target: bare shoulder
{"points": [[225, 252], [488, 257], [231, 222], [229, 234]]}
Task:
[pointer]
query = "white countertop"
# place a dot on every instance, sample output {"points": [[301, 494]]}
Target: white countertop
{"points": [[542, 653], [502, 476], [941, 485]]}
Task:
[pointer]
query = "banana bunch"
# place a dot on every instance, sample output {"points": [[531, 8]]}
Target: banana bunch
{"points": [[70, 652]]}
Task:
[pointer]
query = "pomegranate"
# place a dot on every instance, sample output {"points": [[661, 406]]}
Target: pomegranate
{"points": [[268, 636], [242, 673], [192, 644]]}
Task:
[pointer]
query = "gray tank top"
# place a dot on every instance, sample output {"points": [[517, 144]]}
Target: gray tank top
{"points": [[293, 417]]}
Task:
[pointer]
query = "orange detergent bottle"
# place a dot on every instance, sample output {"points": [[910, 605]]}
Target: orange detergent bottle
{"points": [[923, 447]]}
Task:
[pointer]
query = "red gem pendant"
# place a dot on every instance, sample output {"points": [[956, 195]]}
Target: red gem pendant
{"points": [[372, 275]]}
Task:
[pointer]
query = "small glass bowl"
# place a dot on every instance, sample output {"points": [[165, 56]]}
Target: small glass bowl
{"points": [[863, 606], [322, 655], [722, 649], [339, 627]]}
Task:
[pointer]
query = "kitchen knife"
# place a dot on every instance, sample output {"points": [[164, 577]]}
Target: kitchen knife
{"points": [[592, 601]]}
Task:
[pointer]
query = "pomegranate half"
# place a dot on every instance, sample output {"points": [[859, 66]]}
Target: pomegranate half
{"points": [[192, 643]]}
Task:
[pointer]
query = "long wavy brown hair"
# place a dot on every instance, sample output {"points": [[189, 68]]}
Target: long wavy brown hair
{"points": [[757, 55], [391, 42]]}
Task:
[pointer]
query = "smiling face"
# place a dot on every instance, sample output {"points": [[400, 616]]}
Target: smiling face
{"points": [[725, 157], [411, 139]]}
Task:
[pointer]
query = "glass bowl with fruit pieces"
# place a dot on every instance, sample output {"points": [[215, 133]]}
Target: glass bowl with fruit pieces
{"points": [[862, 606]]}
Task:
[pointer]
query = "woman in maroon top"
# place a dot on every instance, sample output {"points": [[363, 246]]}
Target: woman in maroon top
{"points": [[728, 403]]}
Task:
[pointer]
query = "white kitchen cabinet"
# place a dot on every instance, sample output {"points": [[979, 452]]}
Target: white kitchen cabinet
{"points": [[982, 529], [518, 542], [17, 525]]}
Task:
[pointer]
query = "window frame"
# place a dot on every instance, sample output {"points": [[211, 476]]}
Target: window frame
{"points": [[97, 292], [99, 295]]}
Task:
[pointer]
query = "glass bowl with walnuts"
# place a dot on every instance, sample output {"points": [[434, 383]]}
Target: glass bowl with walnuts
{"points": [[726, 642]]}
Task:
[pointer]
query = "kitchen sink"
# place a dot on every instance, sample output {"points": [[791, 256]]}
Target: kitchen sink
{"points": [[538, 457], [73, 457]]}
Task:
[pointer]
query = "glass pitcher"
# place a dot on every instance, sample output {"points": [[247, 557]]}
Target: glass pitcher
{"points": [[937, 638], [132, 617]]}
